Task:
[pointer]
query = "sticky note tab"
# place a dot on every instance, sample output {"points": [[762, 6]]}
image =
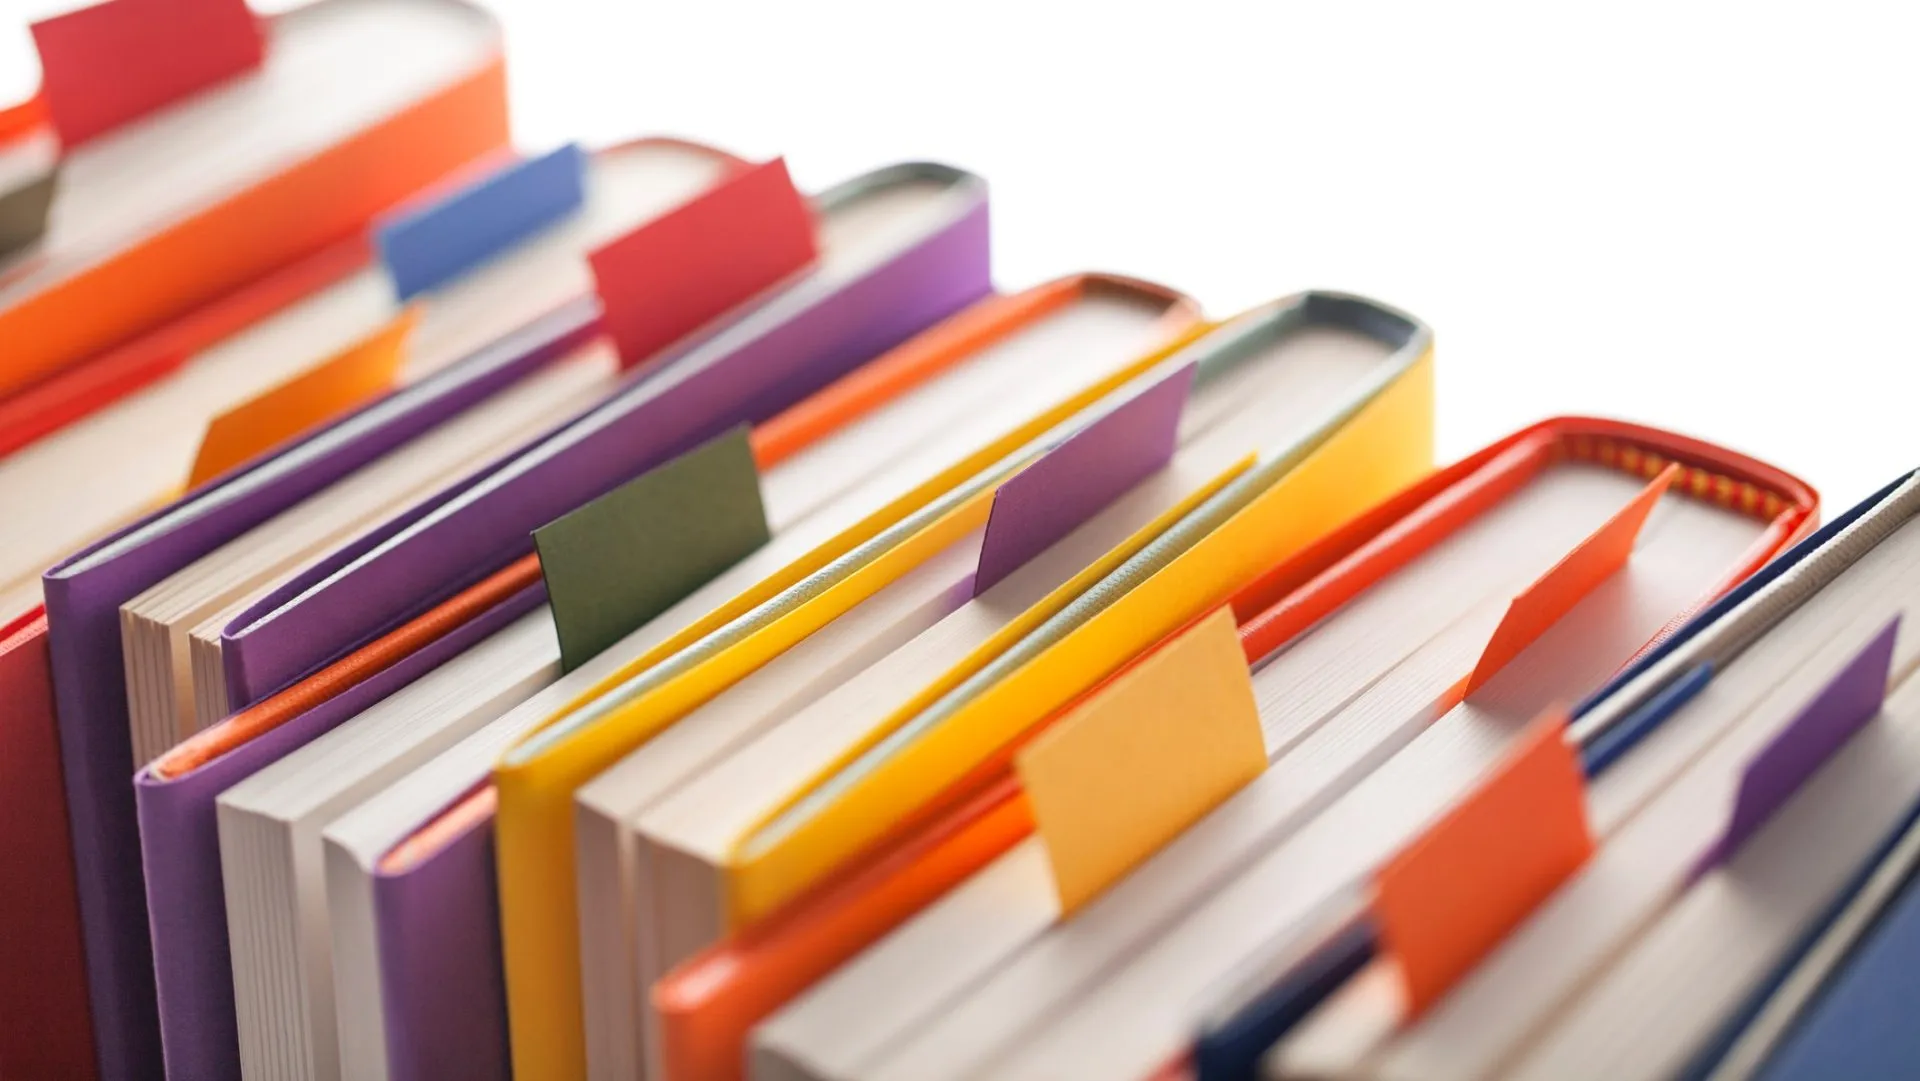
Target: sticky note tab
{"points": [[23, 211], [1085, 472], [111, 63], [682, 270], [432, 245], [343, 382], [624, 558], [1841, 708], [1452, 895], [1591, 562], [1142, 758]]}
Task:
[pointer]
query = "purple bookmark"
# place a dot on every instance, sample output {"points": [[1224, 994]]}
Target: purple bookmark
{"points": [[1843, 707], [1081, 475]]}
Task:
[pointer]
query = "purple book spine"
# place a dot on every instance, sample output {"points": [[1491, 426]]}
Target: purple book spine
{"points": [[337, 607], [83, 598], [442, 991], [180, 848]]}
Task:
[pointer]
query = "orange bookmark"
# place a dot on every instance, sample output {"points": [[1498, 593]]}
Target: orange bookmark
{"points": [[1593, 561], [348, 379], [1451, 896]]}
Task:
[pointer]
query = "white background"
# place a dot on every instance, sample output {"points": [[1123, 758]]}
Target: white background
{"points": [[1700, 216]]}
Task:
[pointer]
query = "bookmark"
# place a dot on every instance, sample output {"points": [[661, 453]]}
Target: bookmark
{"points": [[1293, 595], [1841, 708], [1591, 562], [341, 383], [1076, 479], [22, 118], [618, 561], [112, 63], [1452, 895], [686, 268], [1143, 758], [427, 247]]}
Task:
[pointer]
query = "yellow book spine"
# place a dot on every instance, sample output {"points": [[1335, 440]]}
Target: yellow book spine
{"points": [[1385, 445]]}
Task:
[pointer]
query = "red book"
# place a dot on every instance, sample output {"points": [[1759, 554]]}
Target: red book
{"points": [[45, 1029]]}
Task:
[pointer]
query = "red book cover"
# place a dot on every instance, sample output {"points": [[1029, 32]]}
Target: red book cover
{"points": [[45, 1030]]}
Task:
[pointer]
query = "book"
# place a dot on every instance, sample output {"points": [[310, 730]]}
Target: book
{"points": [[1836, 1010], [1809, 652], [1659, 751], [83, 595], [202, 147], [44, 1029], [1393, 669]]}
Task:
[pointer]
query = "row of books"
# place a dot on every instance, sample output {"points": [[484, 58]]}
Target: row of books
{"points": [[611, 615]]}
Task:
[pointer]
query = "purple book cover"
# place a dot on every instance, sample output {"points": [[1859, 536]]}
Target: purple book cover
{"points": [[437, 923], [83, 599], [814, 332], [180, 850]]}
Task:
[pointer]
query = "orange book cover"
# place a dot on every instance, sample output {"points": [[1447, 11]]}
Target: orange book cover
{"points": [[708, 1006], [53, 319], [76, 392]]}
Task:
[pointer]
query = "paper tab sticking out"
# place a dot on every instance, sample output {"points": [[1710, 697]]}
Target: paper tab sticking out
{"points": [[1776, 772], [105, 65], [1591, 562], [688, 267], [1143, 758], [23, 211], [23, 118], [1452, 895], [1073, 481], [428, 247], [348, 379], [624, 558]]}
